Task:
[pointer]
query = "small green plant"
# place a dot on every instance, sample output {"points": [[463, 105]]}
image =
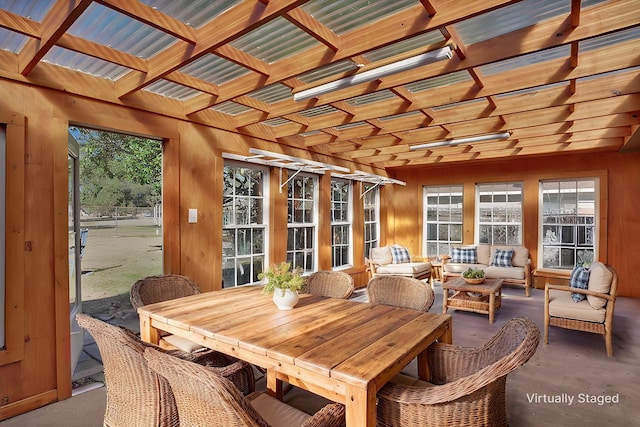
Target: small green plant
{"points": [[281, 276], [473, 273]]}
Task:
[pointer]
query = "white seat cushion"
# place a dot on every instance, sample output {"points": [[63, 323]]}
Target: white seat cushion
{"points": [[504, 273], [458, 268], [277, 413], [405, 269], [562, 305], [182, 343]]}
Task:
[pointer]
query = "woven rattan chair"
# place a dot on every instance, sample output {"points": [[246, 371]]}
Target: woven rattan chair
{"points": [[166, 287], [334, 284], [561, 311], [467, 386], [207, 399], [400, 291], [136, 395]]}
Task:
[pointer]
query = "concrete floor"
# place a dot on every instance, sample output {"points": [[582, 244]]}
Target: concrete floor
{"points": [[573, 365]]}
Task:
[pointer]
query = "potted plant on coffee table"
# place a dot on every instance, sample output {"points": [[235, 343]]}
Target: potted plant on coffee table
{"points": [[284, 282]]}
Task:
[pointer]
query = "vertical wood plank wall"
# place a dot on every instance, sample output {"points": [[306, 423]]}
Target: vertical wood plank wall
{"points": [[193, 179]]}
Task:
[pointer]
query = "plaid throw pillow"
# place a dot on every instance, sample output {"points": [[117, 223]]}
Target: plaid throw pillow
{"points": [[464, 255], [400, 254], [502, 258], [579, 279]]}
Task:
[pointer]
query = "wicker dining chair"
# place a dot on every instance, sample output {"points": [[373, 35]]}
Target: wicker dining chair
{"points": [[136, 395], [161, 288], [400, 291], [204, 398], [334, 284], [467, 385]]}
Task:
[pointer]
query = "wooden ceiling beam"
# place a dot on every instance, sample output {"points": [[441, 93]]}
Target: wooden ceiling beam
{"points": [[594, 62], [239, 57], [575, 12], [192, 82], [402, 25], [57, 21], [19, 24], [315, 29], [100, 51], [534, 38], [153, 17], [230, 25]]}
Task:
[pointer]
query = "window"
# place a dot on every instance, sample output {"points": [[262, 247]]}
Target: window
{"points": [[499, 213], [370, 199], [568, 222], [340, 223], [244, 224], [301, 212], [443, 218]]}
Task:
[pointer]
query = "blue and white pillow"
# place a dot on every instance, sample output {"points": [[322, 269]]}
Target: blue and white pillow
{"points": [[502, 258], [464, 255], [400, 254], [579, 279]]}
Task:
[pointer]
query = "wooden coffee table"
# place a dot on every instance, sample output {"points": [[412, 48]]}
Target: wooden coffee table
{"points": [[487, 302]]}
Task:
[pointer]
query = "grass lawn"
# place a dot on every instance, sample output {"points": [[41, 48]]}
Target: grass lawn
{"points": [[117, 254]]}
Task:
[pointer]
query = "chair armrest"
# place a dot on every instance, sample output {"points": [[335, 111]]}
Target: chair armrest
{"points": [[331, 415], [564, 288]]}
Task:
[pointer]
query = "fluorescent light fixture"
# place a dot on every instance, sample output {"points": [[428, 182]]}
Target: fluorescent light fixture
{"points": [[376, 73], [457, 141]]}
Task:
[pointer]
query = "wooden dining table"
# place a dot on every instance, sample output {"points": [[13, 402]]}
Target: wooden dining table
{"points": [[342, 350]]}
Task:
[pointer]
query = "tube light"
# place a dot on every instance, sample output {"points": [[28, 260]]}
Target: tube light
{"points": [[376, 73], [457, 141]]}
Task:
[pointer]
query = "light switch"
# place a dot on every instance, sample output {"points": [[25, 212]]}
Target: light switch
{"points": [[193, 216]]}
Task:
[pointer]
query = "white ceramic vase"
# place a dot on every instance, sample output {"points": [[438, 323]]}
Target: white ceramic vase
{"points": [[285, 299]]}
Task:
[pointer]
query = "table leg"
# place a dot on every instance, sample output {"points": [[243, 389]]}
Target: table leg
{"points": [[445, 297], [360, 406], [274, 385], [492, 306], [423, 366], [147, 332]]}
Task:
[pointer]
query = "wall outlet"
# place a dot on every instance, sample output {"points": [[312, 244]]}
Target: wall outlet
{"points": [[193, 216]]}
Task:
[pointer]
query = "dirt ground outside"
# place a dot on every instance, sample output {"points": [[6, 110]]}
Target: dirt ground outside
{"points": [[117, 254]]}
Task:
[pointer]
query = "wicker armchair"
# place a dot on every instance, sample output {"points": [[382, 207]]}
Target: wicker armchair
{"points": [[467, 386], [136, 395], [334, 284], [593, 314], [400, 291], [207, 399], [166, 287]]}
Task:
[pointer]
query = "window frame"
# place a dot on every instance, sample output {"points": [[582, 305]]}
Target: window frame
{"points": [[291, 253], [371, 191], [598, 188], [348, 223], [495, 190], [443, 245], [252, 256]]}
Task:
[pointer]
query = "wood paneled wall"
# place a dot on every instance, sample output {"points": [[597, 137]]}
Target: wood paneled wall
{"points": [[39, 372]]}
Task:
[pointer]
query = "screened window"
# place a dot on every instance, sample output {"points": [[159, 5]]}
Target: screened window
{"points": [[244, 224], [370, 199], [568, 222], [499, 213], [340, 223], [302, 223], [443, 218]]}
